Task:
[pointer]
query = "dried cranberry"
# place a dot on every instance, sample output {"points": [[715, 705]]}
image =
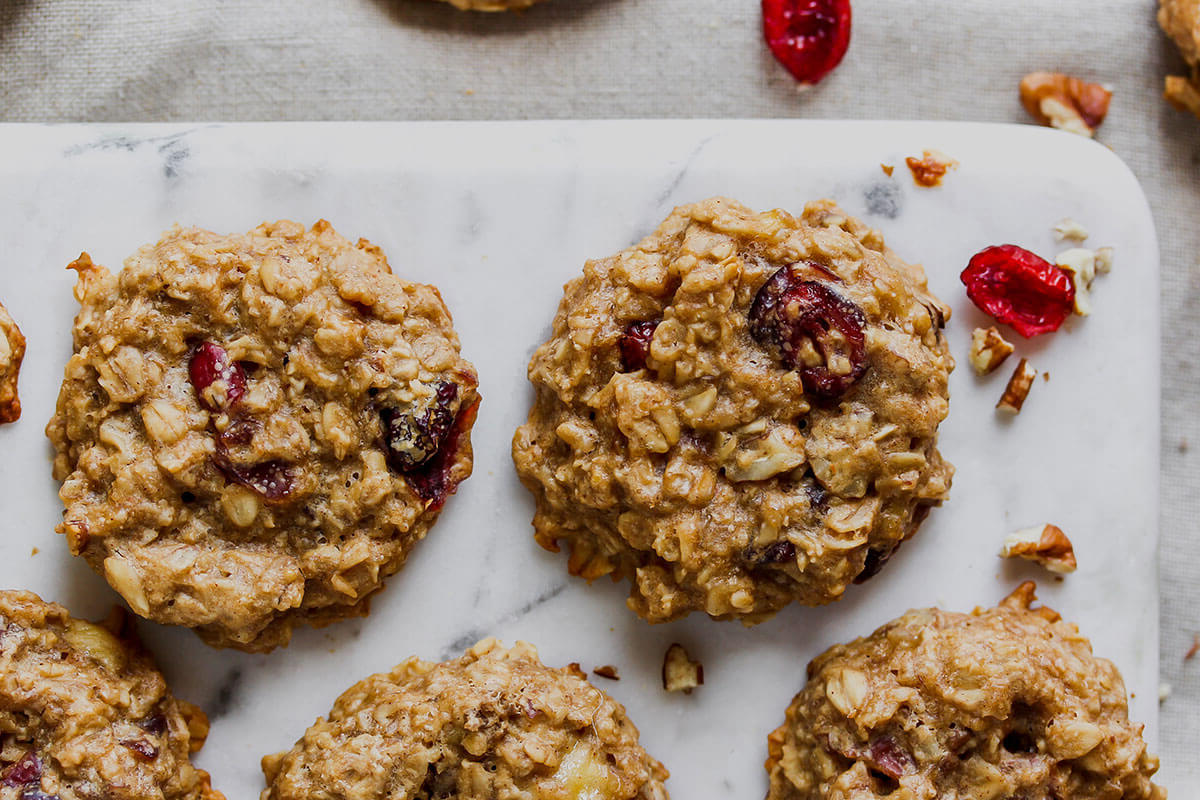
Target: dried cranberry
{"points": [[28, 769], [143, 749], [809, 37], [211, 365], [775, 553], [272, 479], [874, 562], [155, 724], [889, 758], [811, 326], [413, 438], [432, 480], [1019, 288], [635, 344]]}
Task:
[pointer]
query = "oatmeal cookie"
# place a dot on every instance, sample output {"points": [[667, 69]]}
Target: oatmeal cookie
{"points": [[1180, 19], [495, 723], [12, 350], [738, 412], [84, 712], [491, 5], [1003, 702], [255, 430]]}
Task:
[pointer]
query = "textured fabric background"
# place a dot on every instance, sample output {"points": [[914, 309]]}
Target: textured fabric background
{"points": [[175, 60]]}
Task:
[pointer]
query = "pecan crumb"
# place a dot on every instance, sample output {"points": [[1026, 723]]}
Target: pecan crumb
{"points": [[1022, 598], [679, 672], [1045, 544], [1063, 102], [576, 670], [1195, 648], [1018, 388], [988, 350], [929, 170], [607, 671], [888, 169]]}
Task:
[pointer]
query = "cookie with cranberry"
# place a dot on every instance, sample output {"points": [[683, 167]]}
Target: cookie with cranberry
{"points": [[255, 430], [494, 723], [739, 412], [1002, 702], [12, 350], [85, 713]]}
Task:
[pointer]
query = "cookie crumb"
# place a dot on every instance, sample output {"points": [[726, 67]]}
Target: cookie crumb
{"points": [[576, 670], [679, 672], [34, 552], [888, 169], [607, 671], [1164, 691], [1195, 648]]}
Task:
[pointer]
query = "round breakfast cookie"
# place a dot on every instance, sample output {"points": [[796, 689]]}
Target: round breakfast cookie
{"points": [[495, 723], [255, 430], [84, 712], [491, 5], [738, 412], [12, 351], [1003, 702]]}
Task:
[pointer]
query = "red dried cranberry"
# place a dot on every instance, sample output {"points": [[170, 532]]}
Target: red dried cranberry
{"points": [[635, 344], [809, 37], [889, 758], [801, 319], [211, 365], [432, 480], [26, 770], [1019, 288], [272, 479], [143, 749], [413, 438]]}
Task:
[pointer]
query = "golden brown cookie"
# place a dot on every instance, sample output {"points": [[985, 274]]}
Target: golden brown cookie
{"points": [[12, 350], [1002, 702], [255, 430], [739, 412], [495, 723], [84, 712]]}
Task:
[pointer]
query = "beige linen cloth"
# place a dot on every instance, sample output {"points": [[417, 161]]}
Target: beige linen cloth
{"points": [[174, 60]]}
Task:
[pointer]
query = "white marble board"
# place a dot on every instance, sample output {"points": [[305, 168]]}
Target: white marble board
{"points": [[499, 216]]}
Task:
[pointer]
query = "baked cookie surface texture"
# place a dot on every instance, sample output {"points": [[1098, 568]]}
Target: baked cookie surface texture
{"points": [[739, 412], [1180, 20], [1004, 702], [12, 351], [495, 723], [255, 430], [84, 712]]}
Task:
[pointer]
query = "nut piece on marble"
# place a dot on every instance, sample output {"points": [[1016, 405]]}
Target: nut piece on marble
{"points": [[12, 350], [988, 350], [1063, 102], [1045, 544], [1018, 388], [1069, 229], [679, 672], [930, 168]]}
